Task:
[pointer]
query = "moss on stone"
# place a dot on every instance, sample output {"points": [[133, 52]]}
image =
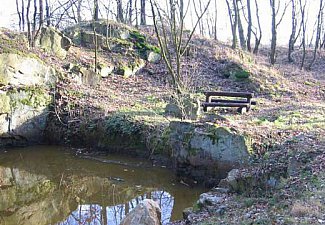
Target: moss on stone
{"points": [[4, 103], [31, 96]]}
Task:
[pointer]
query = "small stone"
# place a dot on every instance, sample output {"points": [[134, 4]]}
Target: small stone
{"points": [[221, 190], [247, 215], [153, 57], [221, 210], [187, 212], [208, 199]]}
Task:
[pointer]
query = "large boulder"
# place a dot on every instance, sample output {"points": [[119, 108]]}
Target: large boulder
{"points": [[54, 41], [27, 114], [145, 213], [207, 153], [18, 70]]}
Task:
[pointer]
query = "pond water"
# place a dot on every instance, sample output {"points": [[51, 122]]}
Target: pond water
{"points": [[53, 185]]}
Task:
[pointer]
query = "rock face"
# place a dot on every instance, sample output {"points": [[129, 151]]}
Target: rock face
{"points": [[17, 69], [24, 106], [206, 154], [52, 40], [146, 213]]}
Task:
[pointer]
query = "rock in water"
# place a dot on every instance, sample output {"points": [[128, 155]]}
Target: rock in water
{"points": [[146, 213]]}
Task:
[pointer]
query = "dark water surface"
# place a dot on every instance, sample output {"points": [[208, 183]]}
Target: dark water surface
{"points": [[51, 185]]}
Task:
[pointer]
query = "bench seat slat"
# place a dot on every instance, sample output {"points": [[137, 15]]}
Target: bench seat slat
{"points": [[224, 104], [229, 94], [231, 101]]}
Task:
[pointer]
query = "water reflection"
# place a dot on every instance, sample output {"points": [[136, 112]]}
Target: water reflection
{"points": [[95, 214], [44, 185]]}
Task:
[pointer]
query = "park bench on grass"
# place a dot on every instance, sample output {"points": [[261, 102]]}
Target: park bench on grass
{"points": [[241, 100]]}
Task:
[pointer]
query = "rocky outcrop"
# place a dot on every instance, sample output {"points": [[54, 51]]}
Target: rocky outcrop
{"points": [[207, 153], [146, 213], [25, 98], [54, 41], [18, 69]]}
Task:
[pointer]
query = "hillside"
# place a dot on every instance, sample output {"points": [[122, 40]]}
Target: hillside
{"points": [[287, 126]]}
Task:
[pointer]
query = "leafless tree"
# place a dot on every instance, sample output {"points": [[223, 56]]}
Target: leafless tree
{"points": [[258, 31], [233, 17], [240, 27], [143, 12], [249, 25], [47, 13], [96, 10], [19, 15], [318, 32], [171, 41], [119, 11], [294, 24], [302, 7], [198, 11], [275, 9]]}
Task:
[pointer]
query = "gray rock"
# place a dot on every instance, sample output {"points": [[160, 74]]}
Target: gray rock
{"points": [[18, 70], [221, 190], [173, 110], [89, 77], [187, 212], [184, 107], [52, 40], [145, 213], [153, 57], [105, 71], [208, 199], [221, 210]]}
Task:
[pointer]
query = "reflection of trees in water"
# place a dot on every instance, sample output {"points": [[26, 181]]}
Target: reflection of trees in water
{"points": [[95, 214]]}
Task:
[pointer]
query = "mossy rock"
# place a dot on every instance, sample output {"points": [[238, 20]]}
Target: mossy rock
{"points": [[4, 103], [235, 71], [35, 97], [243, 74], [53, 41], [16, 69]]}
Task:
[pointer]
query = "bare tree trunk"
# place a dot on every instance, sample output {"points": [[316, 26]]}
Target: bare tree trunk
{"points": [[19, 15], [275, 11], [274, 34], [143, 12], [293, 31], [198, 13], [48, 14], [23, 14], [136, 13], [96, 10], [240, 29], [181, 8], [258, 37], [233, 22], [130, 11], [303, 38], [29, 31], [215, 20], [249, 25], [79, 4], [41, 13], [318, 32], [119, 11]]}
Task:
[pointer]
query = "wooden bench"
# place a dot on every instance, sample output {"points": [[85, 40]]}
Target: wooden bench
{"points": [[212, 99]]}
